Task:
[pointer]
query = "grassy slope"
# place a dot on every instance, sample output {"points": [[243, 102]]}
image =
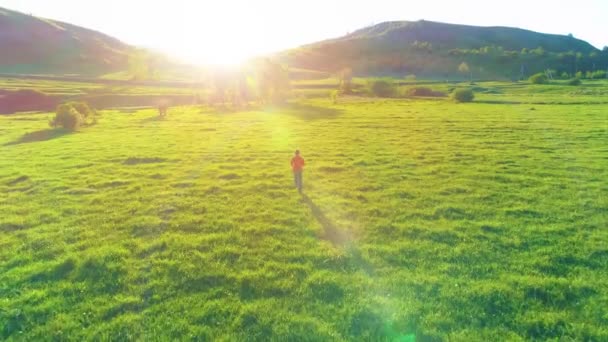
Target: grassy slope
{"points": [[435, 50], [473, 222], [43, 46]]}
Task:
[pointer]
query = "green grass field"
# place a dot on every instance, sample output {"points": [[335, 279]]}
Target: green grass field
{"points": [[421, 220]]}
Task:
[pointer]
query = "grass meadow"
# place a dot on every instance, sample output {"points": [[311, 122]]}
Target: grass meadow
{"points": [[421, 220]]}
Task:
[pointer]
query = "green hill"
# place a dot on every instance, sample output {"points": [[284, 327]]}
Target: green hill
{"points": [[45, 46], [436, 49]]}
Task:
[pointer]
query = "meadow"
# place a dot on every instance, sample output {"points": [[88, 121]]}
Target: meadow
{"points": [[421, 220]]}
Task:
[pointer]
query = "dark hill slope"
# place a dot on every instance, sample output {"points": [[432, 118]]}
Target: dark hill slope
{"points": [[35, 45], [463, 36], [436, 49]]}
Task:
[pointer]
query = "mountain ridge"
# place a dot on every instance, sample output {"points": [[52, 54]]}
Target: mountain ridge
{"points": [[39, 45], [424, 48], [436, 49], [385, 27]]}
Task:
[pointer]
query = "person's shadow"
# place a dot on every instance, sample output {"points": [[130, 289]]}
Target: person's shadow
{"points": [[332, 233], [338, 237]]}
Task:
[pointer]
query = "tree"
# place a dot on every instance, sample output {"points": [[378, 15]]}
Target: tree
{"points": [[539, 78], [243, 89], [464, 69], [220, 87], [273, 81], [383, 88], [463, 95], [138, 65], [579, 59], [73, 115], [229, 86], [539, 51], [67, 117], [346, 80]]}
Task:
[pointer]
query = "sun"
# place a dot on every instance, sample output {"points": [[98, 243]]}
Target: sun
{"points": [[214, 33], [229, 48], [217, 56]]}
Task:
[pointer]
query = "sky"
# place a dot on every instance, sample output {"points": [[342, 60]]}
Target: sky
{"points": [[231, 31]]}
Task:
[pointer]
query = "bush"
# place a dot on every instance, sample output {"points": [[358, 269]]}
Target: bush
{"points": [[67, 117], [73, 115], [463, 95], [539, 78], [383, 88], [333, 96], [598, 74], [83, 108], [574, 82]]}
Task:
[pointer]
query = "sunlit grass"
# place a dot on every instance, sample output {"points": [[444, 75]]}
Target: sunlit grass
{"points": [[420, 219]]}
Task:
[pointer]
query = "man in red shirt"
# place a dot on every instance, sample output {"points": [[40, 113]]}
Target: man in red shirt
{"points": [[297, 165]]}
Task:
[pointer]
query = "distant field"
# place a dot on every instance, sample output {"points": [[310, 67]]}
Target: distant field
{"points": [[421, 220], [590, 92], [78, 88]]}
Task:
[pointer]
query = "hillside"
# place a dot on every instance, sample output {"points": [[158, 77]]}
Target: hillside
{"points": [[43, 46], [463, 36], [436, 49]]}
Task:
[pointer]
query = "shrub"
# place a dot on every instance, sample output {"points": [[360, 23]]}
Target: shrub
{"points": [[67, 117], [73, 115], [333, 96], [539, 78], [382, 88], [574, 82], [598, 74], [463, 95], [83, 108]]}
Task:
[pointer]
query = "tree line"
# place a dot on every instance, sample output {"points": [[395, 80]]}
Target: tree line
{"points": [[264, 80]]}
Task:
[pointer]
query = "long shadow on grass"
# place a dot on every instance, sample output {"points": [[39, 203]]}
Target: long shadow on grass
{"points": [[339, 237], [153, 119], [498, 102], [332, 233], [306, 111], [229, 109], [42, 135]]}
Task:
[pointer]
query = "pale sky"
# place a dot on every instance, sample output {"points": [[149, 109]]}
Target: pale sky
{"points": [[229, 31]]}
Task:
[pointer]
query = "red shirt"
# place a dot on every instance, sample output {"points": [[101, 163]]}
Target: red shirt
{"points": [[297, 163]]}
